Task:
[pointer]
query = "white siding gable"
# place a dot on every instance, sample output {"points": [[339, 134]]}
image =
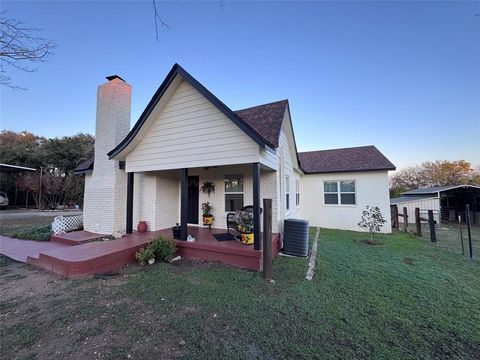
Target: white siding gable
{"points": [[288, 169], [189, 131]]}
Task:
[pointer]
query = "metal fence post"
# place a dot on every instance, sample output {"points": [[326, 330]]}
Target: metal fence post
{"points": [[461, 234], [431, 223], [469, 229]]}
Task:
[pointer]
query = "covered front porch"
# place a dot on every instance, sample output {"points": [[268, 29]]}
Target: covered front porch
{"points": [[164, 198]]}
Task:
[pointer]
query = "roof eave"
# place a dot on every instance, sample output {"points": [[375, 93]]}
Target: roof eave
{"points": [[345, 171], [83, 172]]}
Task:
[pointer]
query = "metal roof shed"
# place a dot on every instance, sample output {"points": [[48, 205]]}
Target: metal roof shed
{"points": [[449, 200]]}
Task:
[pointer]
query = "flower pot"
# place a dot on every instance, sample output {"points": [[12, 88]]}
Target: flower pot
{"points": [[151, 261], [247, 238], [176, 232], [142, 226], [207, 219]]}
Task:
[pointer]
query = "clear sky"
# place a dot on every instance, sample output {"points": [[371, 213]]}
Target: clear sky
{"points": [[404, 76]]}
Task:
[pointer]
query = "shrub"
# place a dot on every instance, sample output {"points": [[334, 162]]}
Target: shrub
{"points": [[163, 248], [144, 254], [372, 220], [38, 233]]}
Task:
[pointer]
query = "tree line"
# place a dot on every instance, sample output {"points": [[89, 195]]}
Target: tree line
{"points": [[55, 157], [433, 173]]}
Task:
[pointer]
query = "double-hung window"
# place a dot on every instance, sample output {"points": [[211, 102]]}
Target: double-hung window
{"points": [[287, 192], [340, 192], [233, 192], [297, 192]]}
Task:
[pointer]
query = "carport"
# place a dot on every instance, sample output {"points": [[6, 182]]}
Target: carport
{"points": [[8, 183]]}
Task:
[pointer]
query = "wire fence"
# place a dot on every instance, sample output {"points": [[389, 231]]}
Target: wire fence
{"points": [[457, 237], [452, 237]]}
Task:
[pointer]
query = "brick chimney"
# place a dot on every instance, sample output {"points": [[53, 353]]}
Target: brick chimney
{"points": [[106, 189]]}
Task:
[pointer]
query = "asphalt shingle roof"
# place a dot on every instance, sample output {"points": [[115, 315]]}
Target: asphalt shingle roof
{"points": [[85, 166], [364, 158], [266, 119]]}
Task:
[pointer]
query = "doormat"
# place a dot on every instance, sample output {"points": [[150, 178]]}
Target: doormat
{"points": [[224, 237]]}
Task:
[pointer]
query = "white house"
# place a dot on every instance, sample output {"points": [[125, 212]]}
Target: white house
{"points": [[187, 136]]}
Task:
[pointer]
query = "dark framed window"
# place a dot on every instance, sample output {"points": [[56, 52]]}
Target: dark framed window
{"points": [[287, 192], [297, 192]]}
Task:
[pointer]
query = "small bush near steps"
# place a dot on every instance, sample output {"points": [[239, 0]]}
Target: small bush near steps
{"points": [[144, 255], [160, 248], [164, 248]]}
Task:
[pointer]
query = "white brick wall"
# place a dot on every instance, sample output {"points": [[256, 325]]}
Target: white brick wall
{"points": [[269, 190], [167, 199], [144, 199], [105, 192]]}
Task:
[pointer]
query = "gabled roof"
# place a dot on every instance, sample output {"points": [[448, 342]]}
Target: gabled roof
{"points": [[364, 158], [178, 70], [437, 189], [85, 167], [266, 119]]}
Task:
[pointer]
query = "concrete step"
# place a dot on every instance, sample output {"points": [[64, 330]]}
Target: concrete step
{"points": [[76, 237]]}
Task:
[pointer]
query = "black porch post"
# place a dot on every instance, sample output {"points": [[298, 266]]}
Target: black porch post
{"points": [[183, 203], [256, 206], [129, 225]]}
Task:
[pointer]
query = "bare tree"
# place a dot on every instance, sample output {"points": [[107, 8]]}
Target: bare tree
{"points": [[20, 46], [157, 18]]}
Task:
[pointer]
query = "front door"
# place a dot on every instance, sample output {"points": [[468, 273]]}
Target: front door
{"points": [[193, 199]]}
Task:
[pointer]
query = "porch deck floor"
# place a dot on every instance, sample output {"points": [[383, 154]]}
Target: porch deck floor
{"points": [[102, 256]]}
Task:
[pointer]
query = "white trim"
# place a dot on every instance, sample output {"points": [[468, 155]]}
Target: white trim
{"points": [[339, 193]]}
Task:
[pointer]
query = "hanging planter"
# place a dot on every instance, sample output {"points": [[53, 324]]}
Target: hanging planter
{"points": [[208, 187]]}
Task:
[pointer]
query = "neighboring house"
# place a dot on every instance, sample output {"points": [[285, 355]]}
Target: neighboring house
{"points": [[187, 136], [447, 202]]}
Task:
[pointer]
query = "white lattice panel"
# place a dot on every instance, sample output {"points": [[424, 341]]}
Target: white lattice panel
{"points": [[63, 224]]}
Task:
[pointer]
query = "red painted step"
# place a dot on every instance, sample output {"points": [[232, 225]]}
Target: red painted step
{"points": [[76, 237]]}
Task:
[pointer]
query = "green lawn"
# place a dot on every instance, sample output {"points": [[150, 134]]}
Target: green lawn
{"points": [[407, 298], [11, 227]]}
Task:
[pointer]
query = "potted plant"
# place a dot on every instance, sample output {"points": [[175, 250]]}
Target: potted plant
{"points": [[207, 214], [208, 187], [176, 231], [245, 226]]}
